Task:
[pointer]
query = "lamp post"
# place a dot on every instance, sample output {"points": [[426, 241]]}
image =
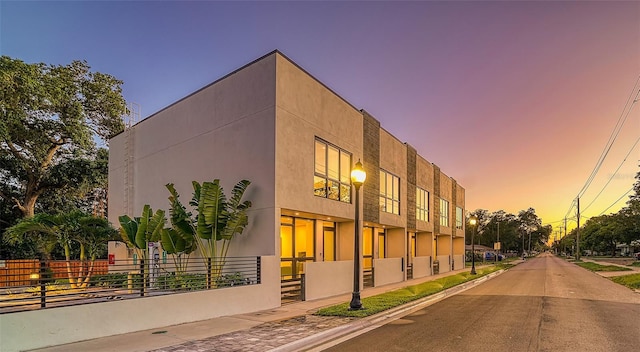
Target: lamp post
{"points": [[473, 221], [357, 179]]}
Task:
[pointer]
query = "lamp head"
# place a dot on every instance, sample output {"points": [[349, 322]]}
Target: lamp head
{"points": [[358, 175], [473, 220]]}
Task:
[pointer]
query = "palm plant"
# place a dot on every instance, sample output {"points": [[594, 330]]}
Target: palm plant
{"points": [[179, 247], [217, 221], [66, 229], [139, 231]]}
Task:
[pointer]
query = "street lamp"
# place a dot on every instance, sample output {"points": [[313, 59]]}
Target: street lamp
{"points": [[357, 179], [473, 221]]}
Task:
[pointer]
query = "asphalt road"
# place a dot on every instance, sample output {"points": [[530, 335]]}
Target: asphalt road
{"points": [[544, 304]]}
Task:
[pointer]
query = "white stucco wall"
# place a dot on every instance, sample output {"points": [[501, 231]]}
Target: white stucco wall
{"points": [[458, 262], [56, 326], [325, 279], [225, 131], [387, 271], [306, 109], [393, 159], [421, 267], [444, 263], [424, 180]]}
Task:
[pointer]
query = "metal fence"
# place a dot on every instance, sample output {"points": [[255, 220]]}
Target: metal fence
{"points": [[48, 284]]}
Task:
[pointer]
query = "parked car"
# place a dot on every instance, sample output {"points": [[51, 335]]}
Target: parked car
{"points": [[490, 256], [637, 255]]}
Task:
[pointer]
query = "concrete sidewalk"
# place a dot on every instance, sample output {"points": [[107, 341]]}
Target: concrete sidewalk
{"points": [[291, 327], [633, 269]]}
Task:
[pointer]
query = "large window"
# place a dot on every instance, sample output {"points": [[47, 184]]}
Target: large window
{"points": [[458, 218], [332, 177], [444, 213], [297, 245], [422, 204], [389, 192]]}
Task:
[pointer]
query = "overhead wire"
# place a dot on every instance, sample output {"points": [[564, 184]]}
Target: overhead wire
{"points": [[614, 135], [614, 174], [617, 200]]}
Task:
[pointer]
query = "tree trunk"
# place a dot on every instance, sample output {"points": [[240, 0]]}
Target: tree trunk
{"points": [[70, 275]]}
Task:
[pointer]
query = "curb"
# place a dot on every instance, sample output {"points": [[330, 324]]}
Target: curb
{"points": [[357, 327]]}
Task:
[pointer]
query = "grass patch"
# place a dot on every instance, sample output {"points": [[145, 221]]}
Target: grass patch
{"points": [[597, 267], [631, 281], [388, 300], [636, 263]]}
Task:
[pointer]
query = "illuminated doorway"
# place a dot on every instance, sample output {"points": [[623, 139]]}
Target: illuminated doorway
{"points": [[297, 245]]}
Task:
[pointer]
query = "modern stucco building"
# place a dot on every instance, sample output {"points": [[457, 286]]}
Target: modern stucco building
{"points": [[274, 124]]}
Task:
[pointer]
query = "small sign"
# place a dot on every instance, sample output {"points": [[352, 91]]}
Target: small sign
{"points": [[3, 263], [496, 246], [112, 259]]}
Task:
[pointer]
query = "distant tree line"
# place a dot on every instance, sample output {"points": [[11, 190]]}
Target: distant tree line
{"points": [[519, 233], [602, 234]]}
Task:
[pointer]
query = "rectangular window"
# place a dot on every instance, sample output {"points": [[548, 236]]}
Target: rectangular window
{"points": [[332, 176], [458, 218], [422, 204], [444, 213], [389, 192]]}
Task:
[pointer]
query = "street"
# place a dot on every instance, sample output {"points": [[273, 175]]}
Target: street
{"points": [[543, 304]]}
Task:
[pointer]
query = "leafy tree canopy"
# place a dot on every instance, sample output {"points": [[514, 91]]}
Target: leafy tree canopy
{"points": [[49, 117], [512, 230]]}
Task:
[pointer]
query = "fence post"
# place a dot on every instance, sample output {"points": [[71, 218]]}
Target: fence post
{"points": [[43, 287], [209, 273], [258, 270], [143, 278]]}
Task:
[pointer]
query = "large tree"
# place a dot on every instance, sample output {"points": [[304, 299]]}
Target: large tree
{"points": [[50, 116]]}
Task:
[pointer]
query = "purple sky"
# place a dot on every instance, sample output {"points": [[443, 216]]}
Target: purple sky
{"points": [[515, 100]]}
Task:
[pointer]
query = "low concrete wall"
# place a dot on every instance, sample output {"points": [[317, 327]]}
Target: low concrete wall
{"points": [[421, 266], [56, 326], [325, 279], [458, 262], [387, 271], [445, 264]]}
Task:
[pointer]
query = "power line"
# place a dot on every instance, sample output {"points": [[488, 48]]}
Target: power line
{"points": [[614, 174], [617, 200], [612, 138], [614, 134]]}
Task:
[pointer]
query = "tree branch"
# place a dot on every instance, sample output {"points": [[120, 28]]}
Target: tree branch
{"points": [[50, 153], [15, 151]]}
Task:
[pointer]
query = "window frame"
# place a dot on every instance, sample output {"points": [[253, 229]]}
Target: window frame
{"points": [[423, 198], [384, 198], [330, 182], [444, 214], [459, 216]]}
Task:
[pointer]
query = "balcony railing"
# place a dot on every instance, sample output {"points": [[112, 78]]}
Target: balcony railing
{"points": [[33, 284]]}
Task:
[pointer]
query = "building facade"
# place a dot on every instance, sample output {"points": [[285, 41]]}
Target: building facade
{"points": [[274, 124]]}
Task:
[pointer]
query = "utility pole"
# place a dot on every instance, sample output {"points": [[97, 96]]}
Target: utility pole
{"points": [[498, 240], [578, 232]]}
